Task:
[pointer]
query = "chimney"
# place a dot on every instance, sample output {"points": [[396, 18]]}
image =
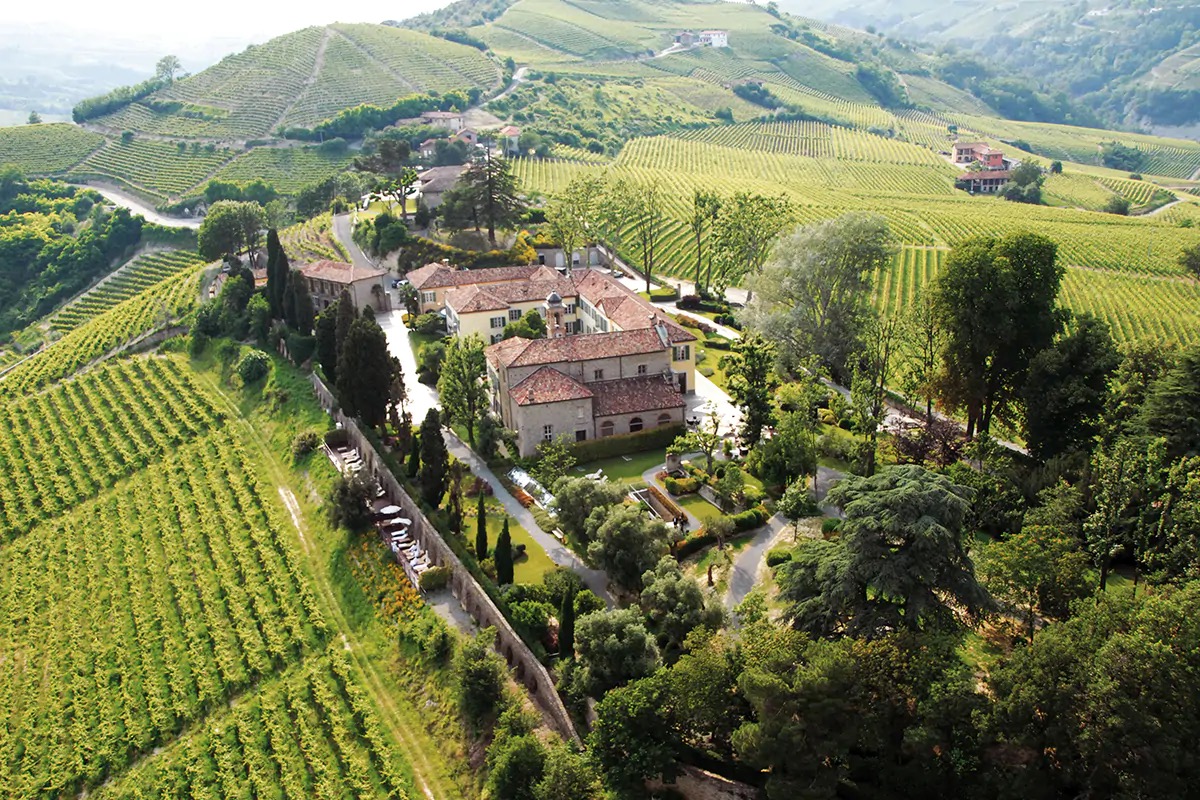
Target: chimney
{"points": [[661, 328]]}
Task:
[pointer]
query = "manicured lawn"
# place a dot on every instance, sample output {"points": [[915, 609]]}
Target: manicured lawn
{"points": [[697, 505], [619, 470], [525, 570]]}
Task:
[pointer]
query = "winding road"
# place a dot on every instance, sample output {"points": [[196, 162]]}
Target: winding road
{"points": [[137, 206]]}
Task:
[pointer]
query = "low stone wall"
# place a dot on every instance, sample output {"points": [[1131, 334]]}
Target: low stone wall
{"points": [[529, 671], [698, 784]]}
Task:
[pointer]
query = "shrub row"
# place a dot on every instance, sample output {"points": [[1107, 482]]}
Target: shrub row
{"points": [[678, 486], [745, 523], [611, 446]]}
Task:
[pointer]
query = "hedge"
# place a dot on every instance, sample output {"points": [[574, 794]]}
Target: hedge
{"points": [[778, 556], [626, 443], [434, 578], [746, 523], [678, 486]]}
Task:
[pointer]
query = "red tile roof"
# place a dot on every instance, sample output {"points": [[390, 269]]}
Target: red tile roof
{"points": [[631, 395], [501, 295], [510, 130], [548, 385], [624, 307], [340, 272], [569, 349], [440, 276]]}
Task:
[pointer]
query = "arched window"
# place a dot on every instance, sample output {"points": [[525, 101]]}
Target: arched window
{"points": [[635, 424], [606, 428], [664, 419]]}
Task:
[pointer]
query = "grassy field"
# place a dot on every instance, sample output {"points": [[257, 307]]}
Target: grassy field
{"points": [[624, 469]]}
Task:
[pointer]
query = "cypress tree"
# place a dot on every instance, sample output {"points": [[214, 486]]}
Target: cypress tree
{"points": [[345, 318], [289, 298], [434, 460], [504, 559], [481, 547], [274, 292], [327, 352], [414, 457], [302, 302], [364, 377], [566, 625], [283, 274]]}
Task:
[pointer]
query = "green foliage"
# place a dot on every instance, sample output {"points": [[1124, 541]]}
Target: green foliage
{"points": [[812, 296], [116, 99], [1066, 389], [998, 302], [229, 228], [481, 536], [630, 741], [1039, 570], [305, 443], [625, 544], [254, 366], [462, 386], [349, 503], [364, 371], [504, 556], [434, 460], [674, 606], [751, 370], [625, 444], [614, 648], [1189, 260], [479, 675], [1172, 407], [434, 579], [554, 459], [577, 499], [530, 326], [900, 558]]}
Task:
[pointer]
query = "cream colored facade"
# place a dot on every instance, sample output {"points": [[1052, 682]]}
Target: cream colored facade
{"points": [[489, 325]]}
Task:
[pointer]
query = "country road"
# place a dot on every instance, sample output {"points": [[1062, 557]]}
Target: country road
{"points": [[137, 206]]}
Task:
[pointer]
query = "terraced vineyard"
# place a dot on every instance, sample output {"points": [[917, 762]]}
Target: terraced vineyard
{"points": [[46, 149], [312, 240], [288, 169], [425, 63], [128, 319], [816, 140], [242, 96], [159, 168], [302, 78], [134, 277]]}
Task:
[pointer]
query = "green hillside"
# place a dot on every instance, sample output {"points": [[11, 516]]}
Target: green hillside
{"points": [[303, 78], [1132, 61]]}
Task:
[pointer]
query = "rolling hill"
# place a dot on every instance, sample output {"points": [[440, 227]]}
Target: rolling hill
{"points": [[1135, 62], [302, 78]]}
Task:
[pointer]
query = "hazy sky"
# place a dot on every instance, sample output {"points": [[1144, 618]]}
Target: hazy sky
{"points": [[196, 22]]}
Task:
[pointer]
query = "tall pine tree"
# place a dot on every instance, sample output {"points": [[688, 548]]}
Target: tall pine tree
{"points": [[481, 543], [504, 557], [275, 278]]}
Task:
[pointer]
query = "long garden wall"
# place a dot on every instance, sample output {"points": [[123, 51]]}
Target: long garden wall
{"points": [[466, 589]]}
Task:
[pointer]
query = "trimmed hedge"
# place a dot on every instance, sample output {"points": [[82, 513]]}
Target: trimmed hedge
{"points": [[745, 522], [626, 443], [678, 486], [778, 556], [434, 578]]}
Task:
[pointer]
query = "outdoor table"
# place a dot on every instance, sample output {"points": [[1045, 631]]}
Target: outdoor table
{"points": [[388, 511]]}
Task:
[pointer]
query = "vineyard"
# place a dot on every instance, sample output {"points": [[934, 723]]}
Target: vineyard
{"points": [[133, 278], [46, 149], [288, 169], [143, 312], [312, 240], [248, 91], [1135, 306], [426, 63], [312, 733], [816, 140], [91, 433], [164, 169]]}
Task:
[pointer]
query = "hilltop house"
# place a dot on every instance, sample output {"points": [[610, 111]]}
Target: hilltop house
{"points": [[715, 38], [453, 120], [686, 38], [989, 170], [984, 181], [327, 279], [987, 156]]}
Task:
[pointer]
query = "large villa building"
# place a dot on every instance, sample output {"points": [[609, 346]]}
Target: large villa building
{"points": [[328, 279], [611, 363]]}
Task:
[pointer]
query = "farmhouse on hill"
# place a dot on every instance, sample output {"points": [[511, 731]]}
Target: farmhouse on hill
{"points": [[988, 169], [715, 38], [327, 279]]}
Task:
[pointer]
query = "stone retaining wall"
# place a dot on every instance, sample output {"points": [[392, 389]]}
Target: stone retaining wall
{"points": [[698, 784], [529, 671]]}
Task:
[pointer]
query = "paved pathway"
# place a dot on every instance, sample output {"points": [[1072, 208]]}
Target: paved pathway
{"points": [[421, 397], [743, 576], [594, 579]]}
